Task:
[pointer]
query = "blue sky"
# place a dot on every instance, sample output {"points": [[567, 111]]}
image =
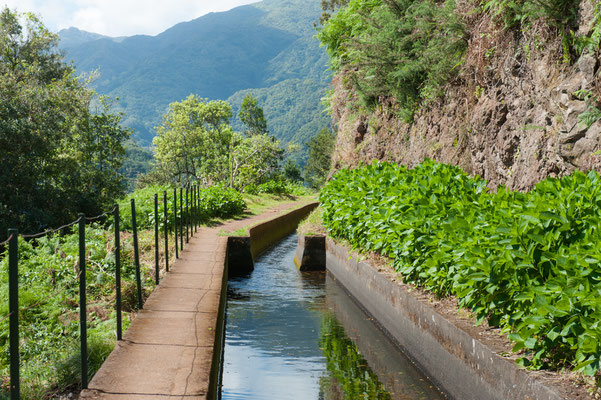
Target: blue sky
{"points": [[120, 17]]}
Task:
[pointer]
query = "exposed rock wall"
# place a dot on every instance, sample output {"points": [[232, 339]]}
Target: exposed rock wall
{"points": [[511, 116]]}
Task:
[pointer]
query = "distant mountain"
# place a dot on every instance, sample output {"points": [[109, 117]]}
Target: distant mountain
{"points": [[267, 48]]}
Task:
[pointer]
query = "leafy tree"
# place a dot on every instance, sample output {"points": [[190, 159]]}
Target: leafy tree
{"points": [[252, 116], [192, 143], [197, 143], [253, 159], [292, 171], [320, 157], [58, 158]]}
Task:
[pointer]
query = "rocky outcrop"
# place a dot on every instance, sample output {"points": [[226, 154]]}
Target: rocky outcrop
{"points": [[512, 115]]}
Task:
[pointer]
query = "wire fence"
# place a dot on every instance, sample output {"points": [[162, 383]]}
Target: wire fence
{"points": [[184, 223]]}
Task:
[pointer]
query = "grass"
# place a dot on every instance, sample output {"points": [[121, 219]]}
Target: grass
{"points": [[313, 224], [258, 204]]}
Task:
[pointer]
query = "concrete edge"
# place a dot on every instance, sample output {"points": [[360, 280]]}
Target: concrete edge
{"points": [[310, 254], [219, 345], [243, 250], [267, 233], [461, 365]]}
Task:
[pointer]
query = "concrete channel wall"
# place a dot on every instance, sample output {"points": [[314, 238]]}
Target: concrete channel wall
{"points": [[462, 366], [243, 250]]}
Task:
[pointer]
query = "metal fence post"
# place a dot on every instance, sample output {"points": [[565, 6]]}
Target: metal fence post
{"points": [[13, 309], [118, 272], [194, 208], [175, 222], [198, 205], [136, 252], [83, 327], [166, 226], [156, 238], [181, 218], [187, 213]]}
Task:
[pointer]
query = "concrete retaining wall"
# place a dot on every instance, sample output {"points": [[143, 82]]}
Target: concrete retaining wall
{"points": [[462, 366], [242, 250], [310, 253], [266, 234]]}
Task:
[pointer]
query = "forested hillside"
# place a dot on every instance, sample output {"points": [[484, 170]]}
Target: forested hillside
{"points": [[267, 48]]}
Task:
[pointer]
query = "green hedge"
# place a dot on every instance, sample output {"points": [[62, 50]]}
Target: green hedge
{"points": [[527, 262], [215, 202]]}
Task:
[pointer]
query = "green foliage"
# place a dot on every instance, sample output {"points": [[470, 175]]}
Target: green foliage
{"points": [[406, 49], [292, 171], [252, 117], [195, 143], [592, 113], [58, 157], [320, 157], [220, 202], [273, 187], [527, 262], [48, 299], [138, 161], [292, 107], [253, 159], [329, 6], [590, 42], [215, 202], [560, 14], [144, 199]]}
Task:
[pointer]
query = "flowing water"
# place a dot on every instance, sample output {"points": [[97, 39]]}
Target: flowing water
{"points": [[295, 335]]}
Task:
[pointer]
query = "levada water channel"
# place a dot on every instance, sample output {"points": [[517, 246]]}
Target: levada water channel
{"points": [[295, 335]]}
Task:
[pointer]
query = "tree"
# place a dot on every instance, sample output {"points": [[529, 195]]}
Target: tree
{"points": [[292, 171], [253, 159], [58, 158], [329, 6], [252, 116], [321, 147], [192, 143], [196, 143]]}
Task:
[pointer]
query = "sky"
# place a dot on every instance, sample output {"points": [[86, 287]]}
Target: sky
{"points": [[119, 17]]}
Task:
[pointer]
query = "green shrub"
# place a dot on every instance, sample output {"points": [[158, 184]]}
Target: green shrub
{"points": [[273, 187], [220, 202], [527, 262], [406, 49], [215, 202]]}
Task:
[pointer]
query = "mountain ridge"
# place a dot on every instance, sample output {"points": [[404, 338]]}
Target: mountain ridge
{"points": [[220, 55]]}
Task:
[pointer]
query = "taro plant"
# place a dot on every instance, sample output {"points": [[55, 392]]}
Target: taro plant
{"points": [[526, 262]]}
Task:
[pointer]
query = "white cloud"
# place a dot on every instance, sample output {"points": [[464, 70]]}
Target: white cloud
{"points": [[120, 17]]}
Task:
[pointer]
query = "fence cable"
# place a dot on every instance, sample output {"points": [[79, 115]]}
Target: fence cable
{"points": [[7, 240], [104, 214], [38, 235], [48, 232]]}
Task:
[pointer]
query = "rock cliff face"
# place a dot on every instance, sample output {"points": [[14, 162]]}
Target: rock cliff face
{"points": [[511, 116]]}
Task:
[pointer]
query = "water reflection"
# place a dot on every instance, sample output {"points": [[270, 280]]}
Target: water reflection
{"points": [[286, 338]]}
